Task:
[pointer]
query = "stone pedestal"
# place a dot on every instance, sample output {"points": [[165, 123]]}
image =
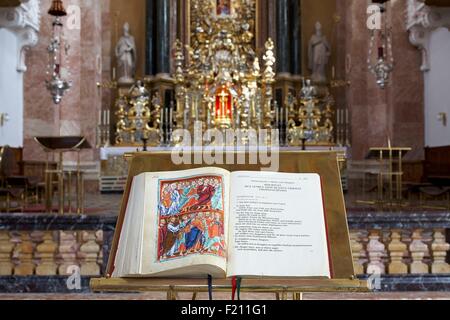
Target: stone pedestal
{"points": [[440, 248], [357, 252], [68, 248], [397, 250], [418, 250], [6, 247], [46, 253], [89, 252], [375, 251], [24, 252]]}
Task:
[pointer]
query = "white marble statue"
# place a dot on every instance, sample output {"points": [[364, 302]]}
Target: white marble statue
{"points": [[126, 56], [319, 53]]}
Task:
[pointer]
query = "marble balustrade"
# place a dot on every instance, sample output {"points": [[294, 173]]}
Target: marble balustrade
{"points": [[51, 253], [47, 253], [387, 243], [400, 252]]}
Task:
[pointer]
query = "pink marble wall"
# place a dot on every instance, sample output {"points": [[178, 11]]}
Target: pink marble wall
{"points": [[89, 62], [396, 112], [41, 117]]}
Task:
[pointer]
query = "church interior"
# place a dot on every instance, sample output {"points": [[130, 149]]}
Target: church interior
{"points": [[84, 84]]}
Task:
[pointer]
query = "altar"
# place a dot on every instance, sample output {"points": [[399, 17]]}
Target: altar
{"points": [[227, 79], [114, 166]]}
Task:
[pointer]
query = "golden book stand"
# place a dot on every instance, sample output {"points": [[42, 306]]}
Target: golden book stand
{"points": [[343, 275]]}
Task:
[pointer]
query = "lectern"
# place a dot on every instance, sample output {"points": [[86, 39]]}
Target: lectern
{"points": [[61, 145], [390, 156], [324, 163]]}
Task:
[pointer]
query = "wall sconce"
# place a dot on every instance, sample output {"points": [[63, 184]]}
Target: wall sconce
{"points": [[442, 117], [4, 117]]}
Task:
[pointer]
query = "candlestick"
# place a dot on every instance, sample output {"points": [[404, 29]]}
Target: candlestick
{"points": [[208, 117], [114, 74], [185, 118], [287, 116], [277, 116]]}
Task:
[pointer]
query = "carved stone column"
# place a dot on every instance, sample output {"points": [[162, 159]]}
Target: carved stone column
{"points": [[24, 251], [397, 250], [45, 252], [296, 38], [357, 251], [88, 252], [440, 248], [375, 250], [6, 247], [68, 248], [283, 45], [150, 48], [162, 37], [418, 250]]}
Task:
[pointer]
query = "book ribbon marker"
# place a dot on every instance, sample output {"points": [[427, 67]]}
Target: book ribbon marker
{"points": [[238, 287], [210, 289], [233, 287]]}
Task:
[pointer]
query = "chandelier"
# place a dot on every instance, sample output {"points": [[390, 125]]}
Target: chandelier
{"points": [[58, 52], [381, 64]]}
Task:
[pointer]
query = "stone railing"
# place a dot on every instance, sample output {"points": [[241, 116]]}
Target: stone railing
{"points": [[403, 250], [49, 253], [409, 242], [400, 252], [408, 250], [69, 244]]}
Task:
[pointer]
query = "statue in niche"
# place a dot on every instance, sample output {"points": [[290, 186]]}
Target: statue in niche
{"points": [[319, 53], [126, 56]]}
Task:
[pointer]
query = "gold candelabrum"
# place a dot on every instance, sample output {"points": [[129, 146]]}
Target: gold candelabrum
{"points": [[138, 117], [310, 118]]}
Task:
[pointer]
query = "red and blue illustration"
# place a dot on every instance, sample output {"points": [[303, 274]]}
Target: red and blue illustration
{"points": [[191, 217]]}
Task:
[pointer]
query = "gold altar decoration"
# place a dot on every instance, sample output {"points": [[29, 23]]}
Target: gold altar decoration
{"points": [[220, 82], [138, 118], [218, 76], [310, 118]]}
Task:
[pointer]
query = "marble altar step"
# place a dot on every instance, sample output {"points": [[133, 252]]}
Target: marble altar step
{"points": [[58, 284]]}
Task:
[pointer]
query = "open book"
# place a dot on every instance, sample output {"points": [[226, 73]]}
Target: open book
{"points": [[210, 221]]}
